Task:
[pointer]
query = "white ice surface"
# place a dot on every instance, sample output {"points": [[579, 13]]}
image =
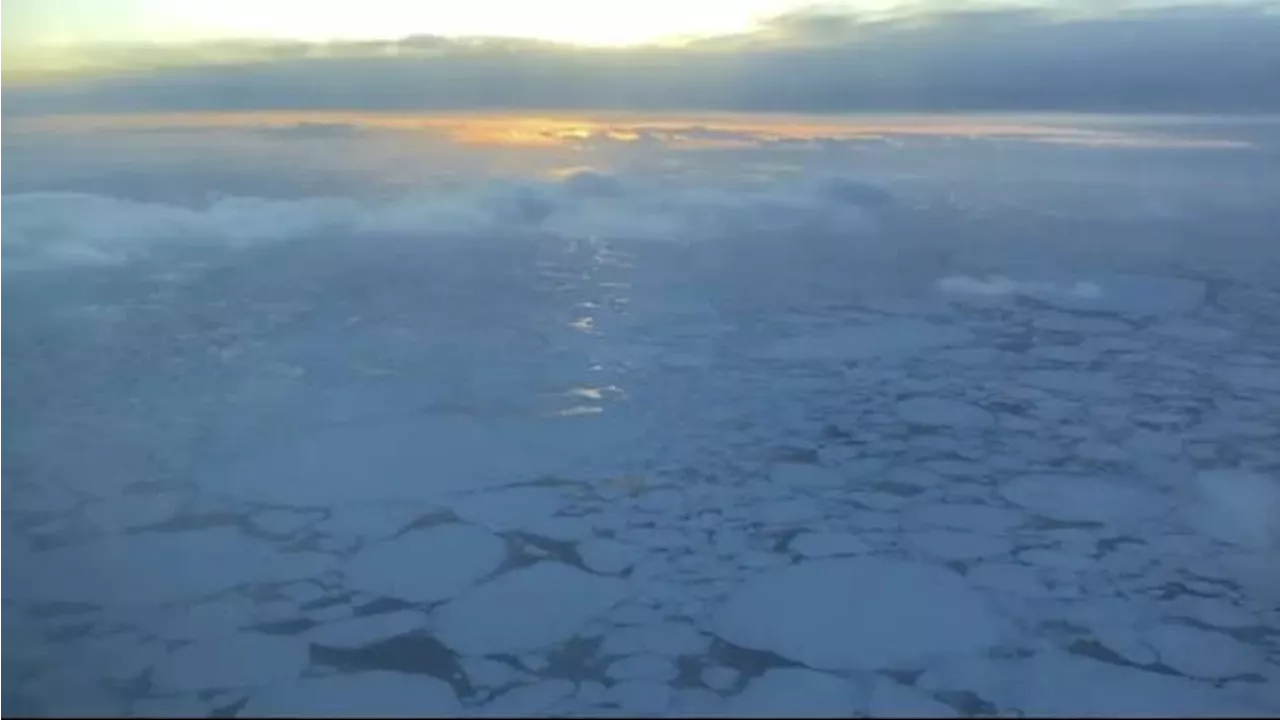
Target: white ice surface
{"points": [[361, 694], [893, 339], [804, 475], [423, 460], [1055, 683], [366, 629], [825, 544], [643, 667], [795, 692], [640, 696], [1079, 383], [719, 677], [1202, 653], [609, 556], [221, 458], [176, 706], [1236, 506], [891, 699], [426, 565], [153, 568], [1132, 294], [1083, 498], [942, 412], [507, 508], [858, 613], [243, 660], [663, 638], [527, 700], [525, 609]]}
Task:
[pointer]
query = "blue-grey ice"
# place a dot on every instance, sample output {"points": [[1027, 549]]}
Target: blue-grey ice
{"points": [[642, 415], [858, 614]]}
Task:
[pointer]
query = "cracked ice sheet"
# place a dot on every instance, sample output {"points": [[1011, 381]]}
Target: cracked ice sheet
{"points": [[795, 692], [1132, 294], [426, 565], [526, 609], [1083, 498], [900, 338], [508, 508], [1053, 683], [1120, 293], [858, 614], [245, 660], [157, 568], [363, 694], [422, 459]]}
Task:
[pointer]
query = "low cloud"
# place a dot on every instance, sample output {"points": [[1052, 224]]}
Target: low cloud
{"points": [[1211, 59], [88, 190], [52, 229]]}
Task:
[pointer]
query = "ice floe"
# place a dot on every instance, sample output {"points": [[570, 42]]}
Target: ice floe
{"points": [[235, 661], [526, 609], [426, 565], [858, 613], [375, 693]]}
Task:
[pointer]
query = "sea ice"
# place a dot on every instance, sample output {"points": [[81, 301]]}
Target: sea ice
{"points": [[157, 568], [643, 667], [609, 556], [942, 412], [1203, 653], [1235, 506], [426, 565], [825, 544], [1131, 294], [528, 700], [244, 660], [1082, 498], [361, 694], [891, 699], [887, 340], [507, 508], [858, 613], [796, 692], [662, 638], [640, 696], [367, 629], [526, 609]]}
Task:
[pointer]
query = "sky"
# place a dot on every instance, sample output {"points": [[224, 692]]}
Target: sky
{"points": [[573, 21], [1196, 56]]}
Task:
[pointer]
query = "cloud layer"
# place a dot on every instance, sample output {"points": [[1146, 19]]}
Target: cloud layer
{"points": [[1215, 59], [110, 190], [61, 228]]}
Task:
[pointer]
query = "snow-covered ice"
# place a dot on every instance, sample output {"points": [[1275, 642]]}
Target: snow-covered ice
{"points": [[526, 609], [361, 694], [1083, 498], [609, 556], [365, 630], [157, 568], [528, 700], [638, 667], [814, 545], [426, 565], [244, 660], [794, 692], [687, 433], [863, 613], [941, 412]]}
